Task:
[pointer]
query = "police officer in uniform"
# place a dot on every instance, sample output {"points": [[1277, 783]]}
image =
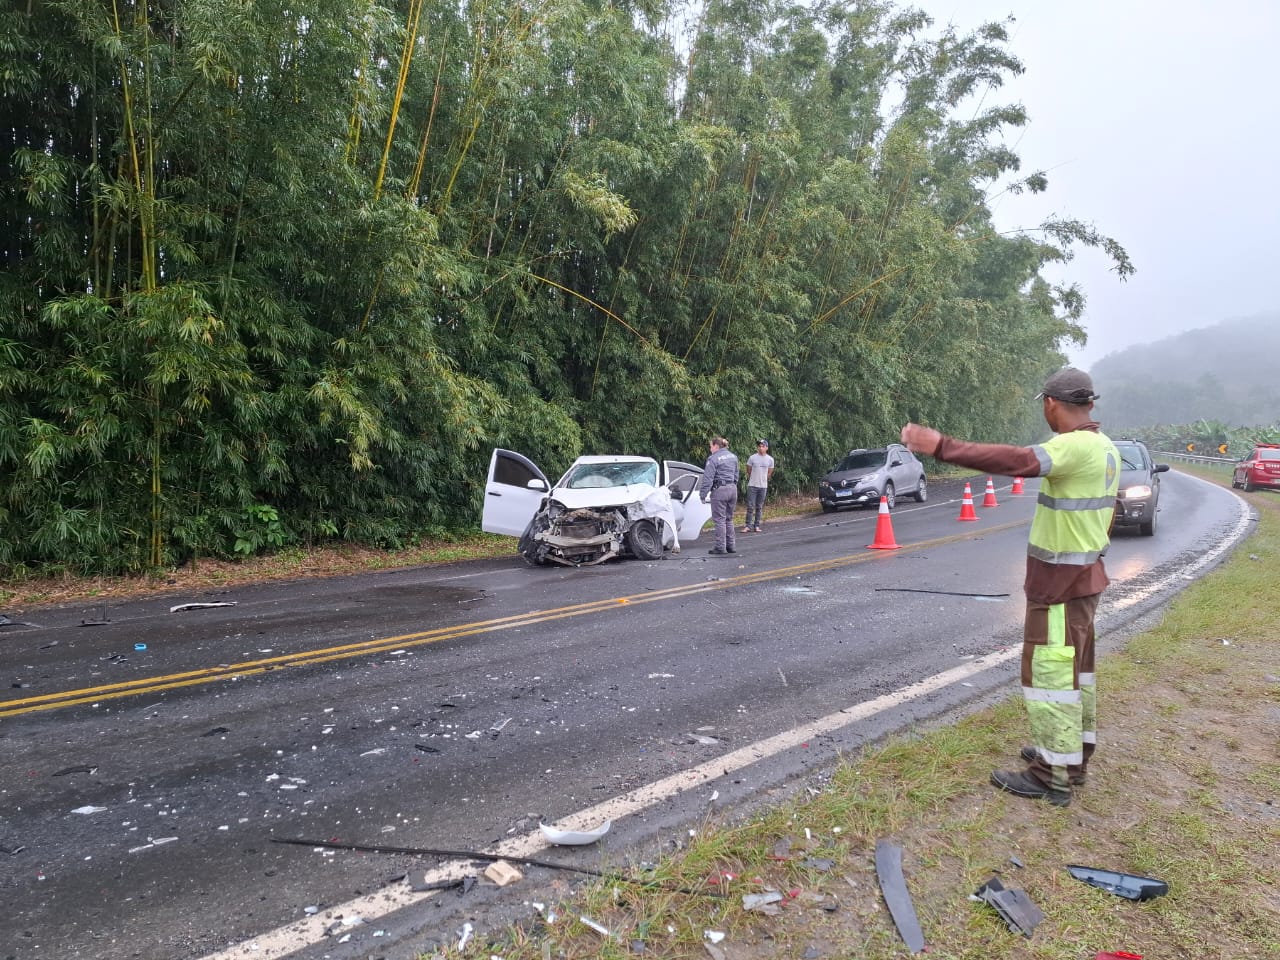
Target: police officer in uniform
{"points": [[719, 487], [1065, 577]]}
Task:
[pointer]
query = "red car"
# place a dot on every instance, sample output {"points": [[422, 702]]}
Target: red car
{"points": [[1261, 468]]}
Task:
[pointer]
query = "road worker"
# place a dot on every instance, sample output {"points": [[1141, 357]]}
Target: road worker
{"points": [[1079, 467]]}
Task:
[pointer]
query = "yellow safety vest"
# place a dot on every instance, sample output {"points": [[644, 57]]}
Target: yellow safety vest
{"points": [[1080, 474]]}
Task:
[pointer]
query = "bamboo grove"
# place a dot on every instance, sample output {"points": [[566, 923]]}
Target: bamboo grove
{"points": [[280, 271]]}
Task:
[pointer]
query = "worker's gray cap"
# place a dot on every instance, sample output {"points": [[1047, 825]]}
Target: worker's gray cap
{"points": [[1070, 386]]}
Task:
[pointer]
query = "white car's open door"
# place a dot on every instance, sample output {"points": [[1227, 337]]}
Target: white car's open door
{"points": [[512, 493], [682, 480]]}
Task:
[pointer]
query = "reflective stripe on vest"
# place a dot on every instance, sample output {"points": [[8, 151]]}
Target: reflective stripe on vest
{"points": [[1077, 497]]}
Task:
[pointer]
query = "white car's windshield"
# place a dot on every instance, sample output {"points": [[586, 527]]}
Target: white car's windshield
{"points": [[586, 475]]}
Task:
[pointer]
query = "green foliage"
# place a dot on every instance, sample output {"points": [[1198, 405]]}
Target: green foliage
{"points": [[273, 254]]}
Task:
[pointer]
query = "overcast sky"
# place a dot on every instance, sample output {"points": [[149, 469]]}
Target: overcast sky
{"points": [[1158, 122]]}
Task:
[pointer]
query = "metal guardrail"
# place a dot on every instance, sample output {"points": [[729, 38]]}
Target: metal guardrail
{"points": [[1223, 462]]}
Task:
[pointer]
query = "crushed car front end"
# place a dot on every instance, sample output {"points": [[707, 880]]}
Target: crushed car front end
{"points": [[576, 537]]}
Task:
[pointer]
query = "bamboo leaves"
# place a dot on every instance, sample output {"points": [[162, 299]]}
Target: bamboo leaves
{"points": [[283, 271]]}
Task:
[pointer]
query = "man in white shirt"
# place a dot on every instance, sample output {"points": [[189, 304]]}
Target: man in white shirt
{"points": [[759, 470]]}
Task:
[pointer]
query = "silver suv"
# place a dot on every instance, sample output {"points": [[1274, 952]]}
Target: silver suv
{"points": [[862, 477]]}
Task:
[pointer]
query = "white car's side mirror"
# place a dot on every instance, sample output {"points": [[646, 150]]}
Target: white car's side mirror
{"points": [[536, 484]]}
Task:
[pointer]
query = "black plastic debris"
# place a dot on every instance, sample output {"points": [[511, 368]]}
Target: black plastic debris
{"points": [[1013, 905], [894, 887], [1128, 885], [424, 748], [11, 847], [216, 732], [78, 768]]}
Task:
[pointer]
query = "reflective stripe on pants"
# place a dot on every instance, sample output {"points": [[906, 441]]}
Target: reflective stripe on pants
{"points": [[1059, 687]]}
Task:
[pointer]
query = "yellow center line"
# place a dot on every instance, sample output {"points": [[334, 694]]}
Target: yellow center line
{"points": [[249, 668]]}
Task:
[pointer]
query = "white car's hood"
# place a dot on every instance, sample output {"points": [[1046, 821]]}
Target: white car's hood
{"points": [[596, 497]]}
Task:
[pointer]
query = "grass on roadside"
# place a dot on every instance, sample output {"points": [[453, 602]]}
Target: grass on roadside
{"points": [[1185, 787]]}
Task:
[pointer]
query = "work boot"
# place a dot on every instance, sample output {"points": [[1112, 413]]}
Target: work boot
{"points": [[1022, 784], [731, 549], [1074, 774], [717, 551]]}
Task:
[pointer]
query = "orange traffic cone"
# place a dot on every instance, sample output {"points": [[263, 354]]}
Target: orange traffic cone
{"points": [[884, 529], [966, 505], [990, 499], [1017, 487]]}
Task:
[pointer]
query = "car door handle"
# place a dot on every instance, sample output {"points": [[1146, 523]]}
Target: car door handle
{"points": [[493, 493]]}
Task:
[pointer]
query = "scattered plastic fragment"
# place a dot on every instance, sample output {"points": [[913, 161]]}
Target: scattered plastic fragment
{"points": [[79, 768], [1016, 862], [375, 752], [756, 901], [1014, 906], [88, 809], [464, 935], [1127, 885], [421, 882], [310, 910], [705, 741], [574, 838], [548, 915], [200, 606], [894, 887], [821, 864], [1118, 955], [12, 849], [715, 936], [499, 725], [139, 647], [341, 924], [422, 747], [598, 928]]}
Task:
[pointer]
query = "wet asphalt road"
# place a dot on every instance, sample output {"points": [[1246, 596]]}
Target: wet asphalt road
{"points": [[142, 790]]}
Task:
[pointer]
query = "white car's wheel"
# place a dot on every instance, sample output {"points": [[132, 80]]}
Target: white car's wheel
{"points": [[644, 541]]}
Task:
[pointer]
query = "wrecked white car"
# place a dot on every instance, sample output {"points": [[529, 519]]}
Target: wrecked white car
{"points": [[604, 506]]}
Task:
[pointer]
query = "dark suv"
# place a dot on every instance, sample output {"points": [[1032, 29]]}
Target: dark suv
{"points": [[1261, 468], [1139, 497]]}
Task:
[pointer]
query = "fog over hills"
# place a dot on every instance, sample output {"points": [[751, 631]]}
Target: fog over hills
{"points": [[1229, 372]]}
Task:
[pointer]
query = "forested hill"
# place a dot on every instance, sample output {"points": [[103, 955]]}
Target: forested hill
{"points": [[1229, 373], [275, 272]]}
